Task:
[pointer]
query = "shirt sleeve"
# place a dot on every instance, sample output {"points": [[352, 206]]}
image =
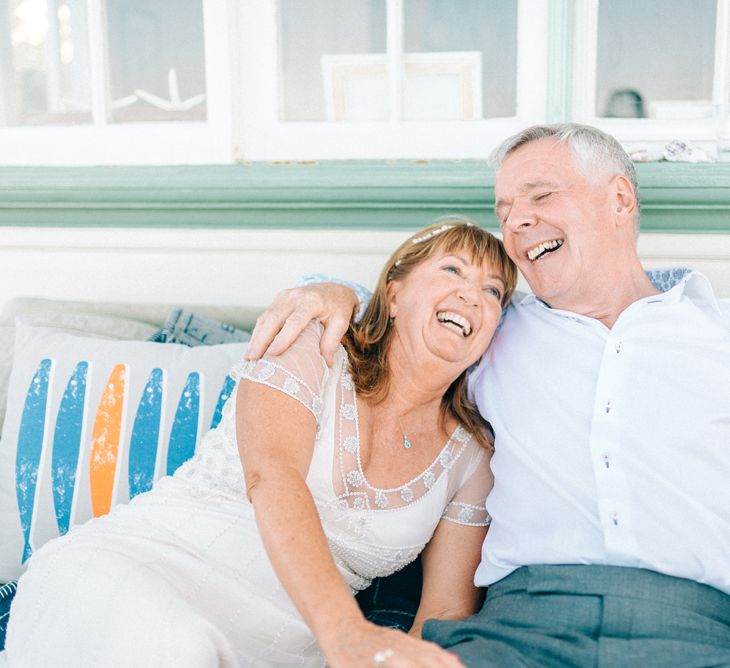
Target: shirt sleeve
{"points": [[472, 482], [362, 293], [300, 372]]}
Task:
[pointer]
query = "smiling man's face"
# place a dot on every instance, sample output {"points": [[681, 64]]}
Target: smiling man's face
{"points": [[558, 227]]}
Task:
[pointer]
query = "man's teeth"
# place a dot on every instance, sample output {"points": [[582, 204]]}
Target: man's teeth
{"points": [[544, 247], [455, 321]]}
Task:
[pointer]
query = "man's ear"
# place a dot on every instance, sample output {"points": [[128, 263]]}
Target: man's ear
{"points": [[623, 200]]}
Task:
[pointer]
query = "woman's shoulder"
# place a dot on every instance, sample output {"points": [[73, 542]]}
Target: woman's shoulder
{"points": [[471, 453], [302, 362]]}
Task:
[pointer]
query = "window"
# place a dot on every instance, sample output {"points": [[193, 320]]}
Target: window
{"points": [[389, 78], [115, 81], [219, 81], [652, 70]]}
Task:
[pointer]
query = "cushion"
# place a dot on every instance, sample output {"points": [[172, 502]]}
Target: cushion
{"points": [[73, 321], [154, 315], [7, 593], [192, 330], [91, 422]]}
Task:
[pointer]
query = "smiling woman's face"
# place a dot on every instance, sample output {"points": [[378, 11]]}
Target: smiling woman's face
{"points": [[447, 308]]}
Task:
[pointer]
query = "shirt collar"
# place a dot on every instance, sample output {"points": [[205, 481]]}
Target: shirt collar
{"points": [[697, 288], [673, 283]]}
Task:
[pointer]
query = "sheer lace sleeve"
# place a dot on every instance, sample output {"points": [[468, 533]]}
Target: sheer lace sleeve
{"points": [[471, 482], [300, 372]]}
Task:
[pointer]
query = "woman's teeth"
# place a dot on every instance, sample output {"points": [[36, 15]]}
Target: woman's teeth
{"points": [[455, 321]]}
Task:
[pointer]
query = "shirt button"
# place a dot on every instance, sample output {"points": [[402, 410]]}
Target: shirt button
{"points": [[619, 345], [608, 406], [606, 460], [614, 518]]}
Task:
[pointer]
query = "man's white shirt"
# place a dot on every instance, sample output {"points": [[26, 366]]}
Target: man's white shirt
{"points": [[612, 445]]}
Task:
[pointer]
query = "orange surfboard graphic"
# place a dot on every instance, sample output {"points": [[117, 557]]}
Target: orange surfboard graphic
{"points": [[105, 438]]}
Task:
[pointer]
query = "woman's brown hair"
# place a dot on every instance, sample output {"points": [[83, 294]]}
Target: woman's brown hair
{"points": [[368, 340]]}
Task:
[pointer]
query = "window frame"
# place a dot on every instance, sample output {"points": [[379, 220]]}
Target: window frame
{"points": [[643, 131], [556, 82], [260, 135], [105, 143]]}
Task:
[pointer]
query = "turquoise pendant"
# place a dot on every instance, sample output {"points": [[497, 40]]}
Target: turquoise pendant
{"points": [[406, 442]]}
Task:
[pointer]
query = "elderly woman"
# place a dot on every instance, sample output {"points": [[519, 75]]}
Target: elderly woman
{"points": [[316, 481]]}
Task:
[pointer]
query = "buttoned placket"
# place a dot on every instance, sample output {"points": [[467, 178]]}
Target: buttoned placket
{"points": [[605, 444], [612, 489]]}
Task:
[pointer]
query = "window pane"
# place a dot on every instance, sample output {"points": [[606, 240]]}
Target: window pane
{"points": [[332, 60], [468, 59], [655, 58], [156, 60], [44, 62]]}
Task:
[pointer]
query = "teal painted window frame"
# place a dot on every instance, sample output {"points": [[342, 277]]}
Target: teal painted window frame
{"points": [[676, 197]]}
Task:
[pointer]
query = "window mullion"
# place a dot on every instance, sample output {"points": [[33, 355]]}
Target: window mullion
{"points": [[53, 59], [394, 41], [584, 61], [98, 62], [721, 84], [560, 60]]}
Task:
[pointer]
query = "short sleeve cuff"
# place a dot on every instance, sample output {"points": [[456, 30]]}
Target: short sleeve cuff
{"points": [[467, 514]]}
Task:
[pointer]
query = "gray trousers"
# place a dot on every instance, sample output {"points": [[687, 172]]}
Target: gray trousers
{"points": [[592, 617]]}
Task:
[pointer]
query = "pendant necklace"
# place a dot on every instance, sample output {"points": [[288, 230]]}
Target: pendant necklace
{"points": [[406, 442]]}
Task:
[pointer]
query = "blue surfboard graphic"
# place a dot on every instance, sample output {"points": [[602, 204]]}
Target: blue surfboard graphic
{"points": [[146, 435], [228, 386], [30, 446], [184, 431], [67, 445]]}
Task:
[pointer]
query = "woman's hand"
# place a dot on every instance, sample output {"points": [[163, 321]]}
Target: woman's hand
{"points": [[290, 312], [366, 645]]}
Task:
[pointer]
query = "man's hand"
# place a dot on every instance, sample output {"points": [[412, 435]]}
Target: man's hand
{"points": [[290, 312]]}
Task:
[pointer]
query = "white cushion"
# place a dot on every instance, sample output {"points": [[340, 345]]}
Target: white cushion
{"points": [[73, 406], [43, 312]]}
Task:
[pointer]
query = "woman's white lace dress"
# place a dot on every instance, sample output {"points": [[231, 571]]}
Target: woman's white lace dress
{"points": [[179, 577]]}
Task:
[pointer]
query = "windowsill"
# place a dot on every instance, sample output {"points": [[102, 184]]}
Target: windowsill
{"points": [[676, 197]]}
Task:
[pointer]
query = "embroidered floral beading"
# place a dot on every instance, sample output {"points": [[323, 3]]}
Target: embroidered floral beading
{"points": [[279, 377], [466, 513], [364, 538], [355, 488]]}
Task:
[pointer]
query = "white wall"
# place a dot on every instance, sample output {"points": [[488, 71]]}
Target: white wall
{"points": [[246, 267]]}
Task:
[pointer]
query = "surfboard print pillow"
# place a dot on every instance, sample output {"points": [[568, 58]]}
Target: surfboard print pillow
{"points": [[93, 422]]}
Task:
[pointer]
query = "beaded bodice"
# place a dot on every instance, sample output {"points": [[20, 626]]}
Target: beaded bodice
{"points": [[371, 531]]}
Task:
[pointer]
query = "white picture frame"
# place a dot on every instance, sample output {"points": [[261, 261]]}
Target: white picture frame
{"points": [[444, 86]]}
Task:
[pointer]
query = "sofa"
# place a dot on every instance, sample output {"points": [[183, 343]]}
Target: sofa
{"points": [[34, 330]]}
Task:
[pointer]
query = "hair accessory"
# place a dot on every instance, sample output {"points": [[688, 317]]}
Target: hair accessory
{"points": [[432, 233]]}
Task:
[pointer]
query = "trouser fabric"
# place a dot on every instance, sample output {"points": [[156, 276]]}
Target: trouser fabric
{"points": [[589, 616]]}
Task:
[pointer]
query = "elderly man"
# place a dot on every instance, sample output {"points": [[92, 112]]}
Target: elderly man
{"points": [[610, 401]]}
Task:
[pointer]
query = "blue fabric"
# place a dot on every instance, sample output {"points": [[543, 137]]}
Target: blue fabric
{"points": [[192, 330], [666, 279], [393, 601], [590, 616], [7, 593]]}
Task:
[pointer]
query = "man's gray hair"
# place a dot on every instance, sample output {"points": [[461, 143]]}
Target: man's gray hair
{"points": [[596, 153]]}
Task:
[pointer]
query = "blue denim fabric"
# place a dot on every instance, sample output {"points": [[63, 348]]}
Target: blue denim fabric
{"points": [[393, 601], [195, 330]]}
